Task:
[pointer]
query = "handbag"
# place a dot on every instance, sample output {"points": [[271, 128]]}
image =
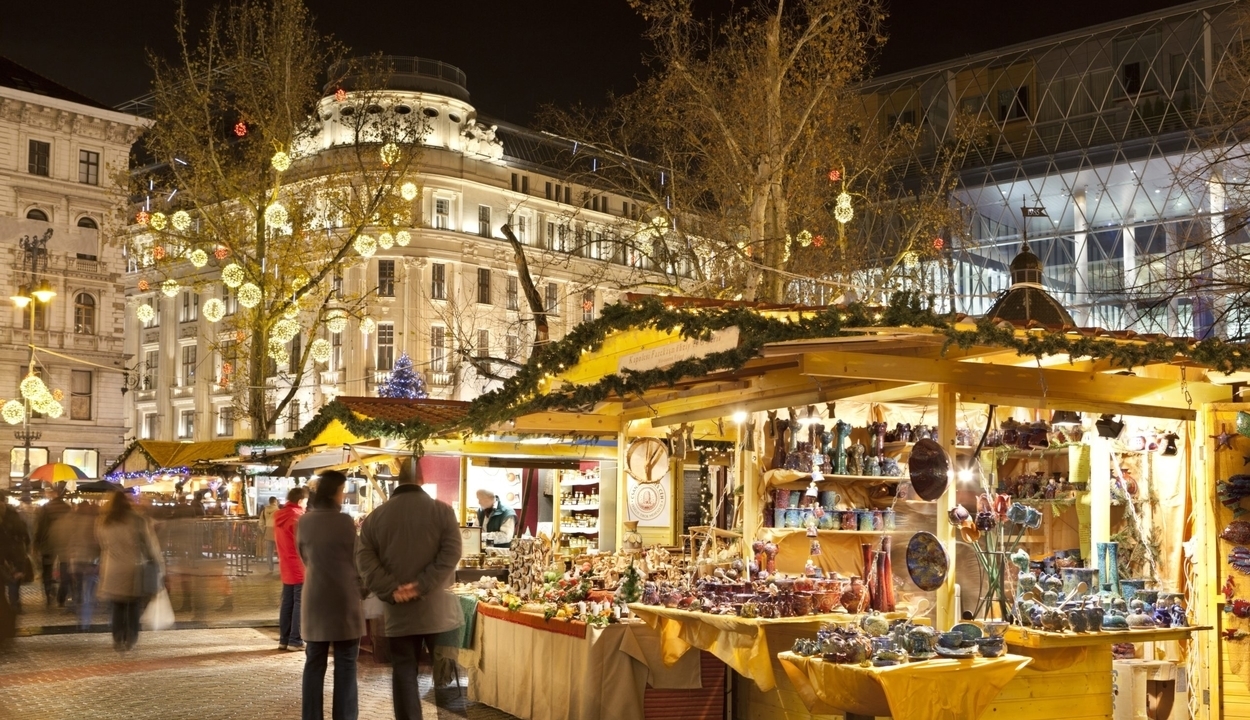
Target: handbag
{"points": [[159, 614]]}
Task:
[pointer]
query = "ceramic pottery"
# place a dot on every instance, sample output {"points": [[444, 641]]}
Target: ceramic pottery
{"points": [[1078, 620], [928, 466], [1114, 621], [890, 519], [793, 518], [951, 640], [970, 632], [850, 519], [991, 647], [781, 499], [995, 628], [1237, 531], [920, 641], [828, 521], [1073, 577], [1053, 620], [927, 563], [829, 499], [855, 596], [865, 520], [1129, 588], [875, 624]]}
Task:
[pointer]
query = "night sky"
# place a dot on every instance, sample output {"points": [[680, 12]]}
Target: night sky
{"points": [[518, 54]]}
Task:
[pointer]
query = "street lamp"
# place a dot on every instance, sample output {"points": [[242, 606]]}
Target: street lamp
{"points": [[34, 248]]}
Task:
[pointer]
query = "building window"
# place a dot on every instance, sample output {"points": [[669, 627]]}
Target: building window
{"points": [[336, 284], [80, 389], [88, 167], [151, 366], [294, 416], [225, 421], [230, 298], [514, 293], [336, 351], [568, 194], [1013, 104], [483, 220], [442, 213], [190, 306], [562, 239], [483, 343], [549, 191], [87, 222], [40, 159], [588, 306], [150, 426], [516, 182], [186, 424], [553, 299], [188, 365], [483, 286], [386, 278], [525, 184], [551, 235], [84, 314], [512, 347], [438, 349], [36, 214], [86, 460], [522, 233], [1131, 76], [17, 460], [386, 346], [40, 311], [438, 281]]}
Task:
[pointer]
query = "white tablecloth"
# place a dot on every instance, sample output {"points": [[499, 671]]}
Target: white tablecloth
{"points": [[539, 675]]}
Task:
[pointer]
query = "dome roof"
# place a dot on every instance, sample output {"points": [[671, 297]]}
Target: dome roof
{"points": [[1026, 267], [1027, 300]]}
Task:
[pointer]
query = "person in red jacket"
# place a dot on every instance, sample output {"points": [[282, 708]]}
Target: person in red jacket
{"points": [[290, 567]]}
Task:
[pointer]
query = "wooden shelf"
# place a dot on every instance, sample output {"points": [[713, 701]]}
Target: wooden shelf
{"points": [[1033, 638], [878, 533], [783, 478], [579, 508], [898, 446], [579, 483], [704, 529], [579, 531]]}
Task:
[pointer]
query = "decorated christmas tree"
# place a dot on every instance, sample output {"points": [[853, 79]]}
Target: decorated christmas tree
{"points": [[404, 382]]}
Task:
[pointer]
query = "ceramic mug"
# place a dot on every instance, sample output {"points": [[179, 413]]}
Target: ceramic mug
{"points": [[864, 520], [850, 519], [952, 640]]}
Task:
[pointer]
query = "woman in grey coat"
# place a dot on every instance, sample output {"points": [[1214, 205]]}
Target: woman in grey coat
{"points": [[331, 609], [127, 545]]}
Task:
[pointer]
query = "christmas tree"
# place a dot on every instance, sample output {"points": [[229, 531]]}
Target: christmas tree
{"points": [[404, 382]]}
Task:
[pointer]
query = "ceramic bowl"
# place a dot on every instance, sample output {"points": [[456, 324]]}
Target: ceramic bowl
{"points": [[991, 647], [951, 640], [995, 628]]}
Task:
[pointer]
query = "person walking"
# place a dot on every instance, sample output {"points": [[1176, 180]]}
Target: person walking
{"points": [[15, 567], [267, 515], [408, 552], [49, 542], [128, 546], [290, 568], [332, 611], [84, 550]]}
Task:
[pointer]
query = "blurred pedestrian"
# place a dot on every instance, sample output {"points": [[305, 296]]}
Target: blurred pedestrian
{"points": [[408, 552], [131, 566], [15, 567], [332, 613], [50, 544], [267, 515], [84, 552], [291, 569]]}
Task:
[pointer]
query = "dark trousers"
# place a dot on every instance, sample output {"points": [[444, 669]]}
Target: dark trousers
{"points": [[345, 705], [405, 675], [63, 588], [126, 622], [15, 595], [288, 615]]}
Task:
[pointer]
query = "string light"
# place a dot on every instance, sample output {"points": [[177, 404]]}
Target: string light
{"points": [[214, 310], [300, 280], [835, 175], [142, 217], [181, 220], [144, 286], [291, 312], [336, 321], [13, 411], [279, 352], [249, 295], [158, 252], [232, 275], [408, 191], [58, 394], [402, 238], [320, 350], [170, 288], [842, 211], [276, 215], [368, 325], [390, 154], [198, 258], [280, 161], [365, 245], [386, 241], [158, 221], [145, 313], [805, 238]]}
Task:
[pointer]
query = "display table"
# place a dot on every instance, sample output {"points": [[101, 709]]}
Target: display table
{"points": [[937, 689], [540, 669]]}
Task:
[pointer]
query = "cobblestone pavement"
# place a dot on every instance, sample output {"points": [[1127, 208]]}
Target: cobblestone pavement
{"points": [[204, 674]]}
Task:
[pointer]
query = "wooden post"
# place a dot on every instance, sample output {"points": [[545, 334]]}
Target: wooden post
{"points": [[622, 487], [749, 482], [463, 504], [947, 401], [1099, 493], [1208, 593]]}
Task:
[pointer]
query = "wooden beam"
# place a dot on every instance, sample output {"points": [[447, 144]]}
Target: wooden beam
{"points": [[1079, 405], [787, 397], [558, 423], [497, 448], [712, 389]]}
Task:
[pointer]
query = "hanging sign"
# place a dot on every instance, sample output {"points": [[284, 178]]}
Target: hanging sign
{"points": [[665, 355], [649, 502]]}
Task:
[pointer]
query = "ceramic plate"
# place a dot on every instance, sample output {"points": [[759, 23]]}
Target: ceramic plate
{"points": [[929, 467], [970, 631], [926, 561], [955, 652]]}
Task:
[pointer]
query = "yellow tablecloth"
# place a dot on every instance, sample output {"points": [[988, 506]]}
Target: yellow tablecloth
{"points": [[740, 643], [936, 689]]}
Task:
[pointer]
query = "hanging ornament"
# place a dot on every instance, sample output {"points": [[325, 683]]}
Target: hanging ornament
{"points": [[279, 352], [227, 368], [240, 335], [805, 238], [142, 217], [300, 280], [222, 252], [158, 252], [13, 411], [158, 221], [365, 245], [402, 238], [198, 258], [938, 243], [910, 259], [368, 325], [181, 220], [214, 310], [340, 95], [284, 330], [386, 241], [32, 387], [249, 295], [52, 409], [835, 175], [280, 161], [240, 128], [320, 350], [336, 321], [842, 211], [232, 275], [276, 215], [818, 240], [144, 286], [58, 394], [408, 191], [390, 154], [291, 312], [170, 288], [145, 313]]}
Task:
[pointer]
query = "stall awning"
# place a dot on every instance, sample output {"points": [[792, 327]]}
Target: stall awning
{"points": [[354, 419], [346, 455], [147, 455]]}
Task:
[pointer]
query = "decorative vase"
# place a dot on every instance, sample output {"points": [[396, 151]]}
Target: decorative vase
{"points": [[854, 597], [631, 541]]}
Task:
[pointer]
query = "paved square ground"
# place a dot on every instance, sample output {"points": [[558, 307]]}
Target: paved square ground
{"points": [[221, 673]]}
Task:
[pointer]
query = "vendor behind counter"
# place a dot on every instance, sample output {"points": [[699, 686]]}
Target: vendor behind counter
{"points": [[498, 521]]}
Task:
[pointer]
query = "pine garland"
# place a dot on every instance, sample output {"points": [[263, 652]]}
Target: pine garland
{"points": [[412, 432]]}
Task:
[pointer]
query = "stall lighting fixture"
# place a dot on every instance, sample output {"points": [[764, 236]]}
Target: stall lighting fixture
{"points": [[740, 416], [965, 475]]}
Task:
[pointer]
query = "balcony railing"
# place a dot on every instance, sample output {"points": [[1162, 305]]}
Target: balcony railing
{"points": [[439, 379]]}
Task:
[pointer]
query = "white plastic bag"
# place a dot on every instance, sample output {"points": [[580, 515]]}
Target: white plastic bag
{"points": [[374, 608], [159, 614]]}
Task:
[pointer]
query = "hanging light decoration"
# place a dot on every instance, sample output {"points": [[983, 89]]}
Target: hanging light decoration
{"points": [[284, 330], [805, 238], [278, 352], [386, 241], [181, 220], [158, 221], [280, 161], [320, 350], [365, 245], [214, 310], [58, 394], [402, 238], [390, 154], [240, 128], [170, 288], [145, 312], [408, 191], [222, 252], [249, 295], [276, 215], [291, 312], [32, 387], [336, 321], [232, 275], [13, 411], [300, 280], [143, 217], [368, 325], [158, 252], [842, 210], [198, 258], [54, 410], [144, 286]]}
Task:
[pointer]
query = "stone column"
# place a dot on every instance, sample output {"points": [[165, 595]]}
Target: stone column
{"points": [[1080, 275]]}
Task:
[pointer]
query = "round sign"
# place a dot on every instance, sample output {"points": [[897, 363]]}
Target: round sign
{"points": [[646, 501]]}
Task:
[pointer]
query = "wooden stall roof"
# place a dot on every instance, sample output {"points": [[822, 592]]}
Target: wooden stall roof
{"points": [[154, 454], [354, 419]]}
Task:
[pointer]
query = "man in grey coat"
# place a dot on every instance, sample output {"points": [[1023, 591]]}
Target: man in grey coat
{"points": [[408, 552]]}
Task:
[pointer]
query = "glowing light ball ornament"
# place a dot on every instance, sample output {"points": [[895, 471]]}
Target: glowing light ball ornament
{"points": [[340, 95], [842, 211], [276, 215], [158, 221], [32, 387], [170, 288], [320, 350], [142, 217], [158, 252], [222, 252], [144, 286], [13, 412], [249, 295], [291, 312], [181, 220], [284, 330], [365, 245], [232, 275], [58, 394], [386, 241], [279, 352], [300, 280], [805, 238], [938, 243], [390, 154], [408, 191], [214, 310], [240, 128], [280, 161], [336, 321], [368, 325], [402, 238], [145, 313], [198, 258]]}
